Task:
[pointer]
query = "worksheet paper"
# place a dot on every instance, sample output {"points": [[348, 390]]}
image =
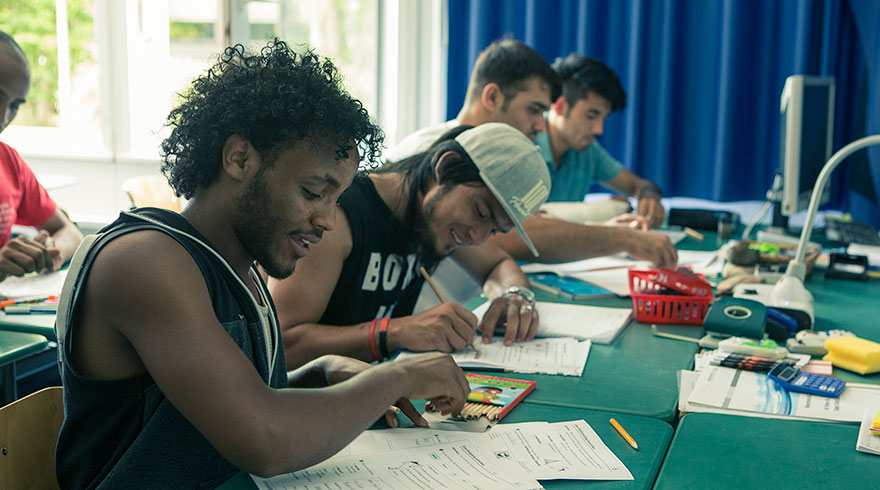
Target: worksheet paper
{"points": [[527, 451], [595, 323], [748, 391], [434, 467], [563, 355], [33, 285]]}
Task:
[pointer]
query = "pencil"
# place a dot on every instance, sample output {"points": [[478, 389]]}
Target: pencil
{"points": [[672, 335], [696, 235], [609, 268], [624, 433], [440, 297]]}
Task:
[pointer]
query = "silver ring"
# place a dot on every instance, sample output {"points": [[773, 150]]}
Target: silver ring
{"points": [[527, 307]]}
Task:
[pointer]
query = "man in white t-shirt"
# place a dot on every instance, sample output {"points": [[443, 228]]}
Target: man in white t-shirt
{"points": [[513, 84]]}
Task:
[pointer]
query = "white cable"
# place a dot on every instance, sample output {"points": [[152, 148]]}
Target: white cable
{"points": [[758, 218]]}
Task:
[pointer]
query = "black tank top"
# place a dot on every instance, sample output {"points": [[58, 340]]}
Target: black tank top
{"points": [[376, 279], [124, 433]]}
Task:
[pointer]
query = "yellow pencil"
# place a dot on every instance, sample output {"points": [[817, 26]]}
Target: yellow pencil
{"points": [[696, 235], [440, 297], [625, 434]]}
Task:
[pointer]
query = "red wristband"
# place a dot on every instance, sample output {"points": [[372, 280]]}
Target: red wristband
{"points": [[373, 340]]}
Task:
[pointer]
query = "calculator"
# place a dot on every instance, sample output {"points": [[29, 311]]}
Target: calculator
{"points": [[792, 379]]}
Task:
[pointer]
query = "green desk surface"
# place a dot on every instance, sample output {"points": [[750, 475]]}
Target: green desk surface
{"points": [[15, 345], [652, 436], [635, 374], [733, 452], [38, 323]]}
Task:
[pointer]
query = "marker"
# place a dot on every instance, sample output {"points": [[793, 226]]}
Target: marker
{"points": [[26, 309], [624, 433]]}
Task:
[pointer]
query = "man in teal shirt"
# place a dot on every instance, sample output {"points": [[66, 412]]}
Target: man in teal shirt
{"points": [[590, 92]]}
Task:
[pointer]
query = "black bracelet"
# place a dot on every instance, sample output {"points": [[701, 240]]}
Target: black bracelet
{"points": [[383, 339]]}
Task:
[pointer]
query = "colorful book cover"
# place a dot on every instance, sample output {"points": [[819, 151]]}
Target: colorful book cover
{"points": [[502, 392]]}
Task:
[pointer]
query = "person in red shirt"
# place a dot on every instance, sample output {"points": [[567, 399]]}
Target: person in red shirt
{"points": [[22, 199]]}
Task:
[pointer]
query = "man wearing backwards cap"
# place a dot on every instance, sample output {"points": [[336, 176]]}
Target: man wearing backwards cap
{"points": [[355, 292]]}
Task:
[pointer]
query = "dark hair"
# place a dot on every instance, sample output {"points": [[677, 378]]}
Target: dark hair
{"points": [[418, 175], [7, 40], [581, 75], [273, 99], [510, 64]]}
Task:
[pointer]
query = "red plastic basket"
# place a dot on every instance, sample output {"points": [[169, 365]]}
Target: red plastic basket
{"points": [[652, 306]]}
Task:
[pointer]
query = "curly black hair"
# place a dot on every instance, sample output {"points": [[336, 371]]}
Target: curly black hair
{"points": [[273, 99]]}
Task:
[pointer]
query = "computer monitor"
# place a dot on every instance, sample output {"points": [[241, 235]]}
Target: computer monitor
{"points": [[807, 110]]}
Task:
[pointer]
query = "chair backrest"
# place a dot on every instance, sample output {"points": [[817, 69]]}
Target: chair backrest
{"points": [[151, 190], [28, 435]]}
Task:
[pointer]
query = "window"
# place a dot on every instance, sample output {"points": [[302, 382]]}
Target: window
{"points": [[58, 39], [107, 72]]}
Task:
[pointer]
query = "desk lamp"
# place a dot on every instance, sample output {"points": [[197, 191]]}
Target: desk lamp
{"points": [[790, 291]]}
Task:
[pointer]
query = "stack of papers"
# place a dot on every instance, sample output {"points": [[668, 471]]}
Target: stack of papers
{"points": [[869, 440], [565, 355], [33, 285], [612, 272], [595, 323], [507, 456], [724, 390]]}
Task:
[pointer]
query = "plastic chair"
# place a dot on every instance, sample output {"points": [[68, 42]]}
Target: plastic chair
{"points": [[28, 435], [151, 190]]}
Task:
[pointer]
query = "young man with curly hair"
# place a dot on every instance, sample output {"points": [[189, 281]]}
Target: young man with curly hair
{"points": [[172, 362], [355, 294], [22, 199]]}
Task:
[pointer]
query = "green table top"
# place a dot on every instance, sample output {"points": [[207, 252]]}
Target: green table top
{"points": [[634, 374], [38, 323], [733, 452], [652, 435], [15, 345]]}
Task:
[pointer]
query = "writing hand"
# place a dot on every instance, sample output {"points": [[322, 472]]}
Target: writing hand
{"points": [[654, 247], [446, 328]]}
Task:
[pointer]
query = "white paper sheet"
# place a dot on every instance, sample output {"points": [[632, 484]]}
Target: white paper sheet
{"points": [[721, 387], [562, 355], [867, 442], [595, 323], [33, 285], [434, 467], [544, 451]]}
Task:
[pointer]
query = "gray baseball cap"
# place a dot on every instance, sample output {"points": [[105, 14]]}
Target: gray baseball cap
{"points": [[512, 168]]}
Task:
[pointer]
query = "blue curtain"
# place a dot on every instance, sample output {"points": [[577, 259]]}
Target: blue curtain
{"points": [[703, 77]]}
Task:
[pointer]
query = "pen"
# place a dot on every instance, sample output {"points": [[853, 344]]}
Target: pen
{"points": [[440, 297], [624, 433]]}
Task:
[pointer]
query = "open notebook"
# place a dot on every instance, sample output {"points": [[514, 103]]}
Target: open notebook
{"points": [[595, 323]]}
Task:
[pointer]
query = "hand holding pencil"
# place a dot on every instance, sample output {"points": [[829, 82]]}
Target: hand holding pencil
{"points": [[442, 300]]}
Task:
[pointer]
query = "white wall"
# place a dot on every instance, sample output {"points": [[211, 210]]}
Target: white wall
{"points": [[97, 195]]}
